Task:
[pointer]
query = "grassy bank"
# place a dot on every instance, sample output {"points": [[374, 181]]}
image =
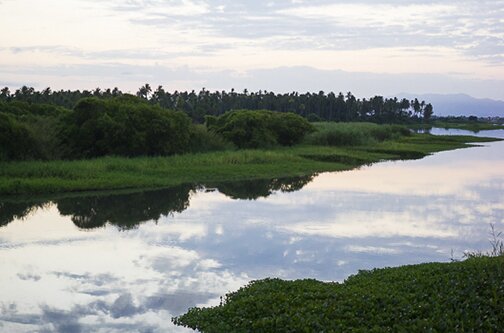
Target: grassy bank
{"points": [[110, 173], [463, 296]]}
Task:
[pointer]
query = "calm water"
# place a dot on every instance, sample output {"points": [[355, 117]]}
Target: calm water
{"points": [[128, 263]]}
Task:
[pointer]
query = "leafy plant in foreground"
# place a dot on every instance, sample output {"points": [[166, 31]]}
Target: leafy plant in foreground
{"points": [[465, 296]]}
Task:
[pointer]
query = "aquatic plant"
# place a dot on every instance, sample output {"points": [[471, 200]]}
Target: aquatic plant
{"points": [[466, 296]]}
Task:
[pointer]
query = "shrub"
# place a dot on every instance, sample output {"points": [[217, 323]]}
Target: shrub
{"points": [[262, 128], [313, 118], [124, 126], [16, 141], [42, 121]]}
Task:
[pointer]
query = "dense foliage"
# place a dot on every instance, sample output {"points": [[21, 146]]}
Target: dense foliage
{"points": [[261, 128], [463, 296], [40, 125], [124, 126], [16, 141], [82, 124], [319, 106]]}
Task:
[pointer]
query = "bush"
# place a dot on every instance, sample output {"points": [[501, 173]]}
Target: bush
{"points": [[42, 121], [203, 140], [124, 126], [258, 129], [23, 110], [16, 141], [313, 118]]}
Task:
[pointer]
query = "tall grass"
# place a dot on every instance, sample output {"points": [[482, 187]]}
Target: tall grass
{"points": [[496, 242], [147, 172], [203, 140], [354, 134]]}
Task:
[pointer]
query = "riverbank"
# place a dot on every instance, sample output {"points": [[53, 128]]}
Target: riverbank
{"points": [[465, 296], [118, 173]]}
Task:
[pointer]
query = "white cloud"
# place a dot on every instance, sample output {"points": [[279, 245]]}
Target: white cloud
{"points": [[388, 37], [371, 249], [370, 15]]}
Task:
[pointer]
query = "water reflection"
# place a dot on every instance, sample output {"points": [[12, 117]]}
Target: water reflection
{"points": [[134, 276], [10, 211], [261, 188], [127, 211]]}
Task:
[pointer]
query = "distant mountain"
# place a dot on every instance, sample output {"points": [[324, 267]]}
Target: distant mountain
{"points": [[460, 105]]}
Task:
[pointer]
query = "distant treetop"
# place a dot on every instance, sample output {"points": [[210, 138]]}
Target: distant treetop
{"points": [[313, 106]]}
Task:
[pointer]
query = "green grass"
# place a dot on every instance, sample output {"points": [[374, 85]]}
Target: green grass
{"points": [[463, 296], [354, 134], [116, 173]]}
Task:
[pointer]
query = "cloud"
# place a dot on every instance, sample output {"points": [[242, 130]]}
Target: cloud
{"points": [[281, 79], [10, 313], [177, 302], [469, 26], [254, 37], [123, 306], [160, 7], [372, 15], [372, 249], [29, 276], [62, 321]]}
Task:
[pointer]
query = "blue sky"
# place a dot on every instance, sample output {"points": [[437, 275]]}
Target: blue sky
{"points": [[367, 47]]}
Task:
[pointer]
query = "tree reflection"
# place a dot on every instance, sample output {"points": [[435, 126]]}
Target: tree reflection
{"points": [[127, 211], [10, 211], [253, 189]]}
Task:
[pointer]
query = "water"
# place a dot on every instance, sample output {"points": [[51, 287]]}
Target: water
{"points": [[129, 262]]}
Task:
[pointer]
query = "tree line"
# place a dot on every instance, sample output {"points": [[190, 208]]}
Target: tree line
{"points": [[128, 125], [319, 106]]}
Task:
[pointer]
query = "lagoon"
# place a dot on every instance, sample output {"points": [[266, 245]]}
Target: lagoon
{"points": [[129, 262]]}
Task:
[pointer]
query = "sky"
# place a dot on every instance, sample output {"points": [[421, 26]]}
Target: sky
{"points": [[367, 47]]}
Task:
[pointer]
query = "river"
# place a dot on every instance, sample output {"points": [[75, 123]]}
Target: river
{"points": [[129, 262]]}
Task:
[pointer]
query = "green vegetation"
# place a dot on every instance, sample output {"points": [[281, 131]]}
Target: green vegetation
{"points": [[108, 173], [319, 106], [40, 124], [354, 134], [260, 129], [202, 140], [124, 142], [123, 126], [465, 296], [16, 141]]}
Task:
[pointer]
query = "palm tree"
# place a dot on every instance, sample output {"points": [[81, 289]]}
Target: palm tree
{"points": [[5, 93], [144, 91]]}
